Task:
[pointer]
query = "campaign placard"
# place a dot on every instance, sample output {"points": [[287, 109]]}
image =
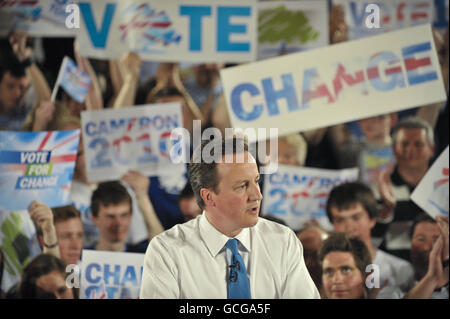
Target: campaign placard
{"points": [[432, 192], [299, 194], [172, 31], [361, 16], [36, 166], [73, 80], [375, 161], [40, 18], [336, 84], [110, 275], [130, 138], [291, 26]]}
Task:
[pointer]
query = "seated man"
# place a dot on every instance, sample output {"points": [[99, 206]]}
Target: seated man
{"points": [[429, 256], [111, 212], [352, 209], [344, 261]]}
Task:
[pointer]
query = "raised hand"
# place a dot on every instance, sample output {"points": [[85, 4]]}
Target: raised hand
{"points": [[42, 215], [137, 181]]}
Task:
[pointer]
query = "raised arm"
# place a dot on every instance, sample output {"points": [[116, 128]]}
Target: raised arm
{"points": [[168, 74], [94, 99], [42, 215], [130, 64], [140, 185], [18, 40]]}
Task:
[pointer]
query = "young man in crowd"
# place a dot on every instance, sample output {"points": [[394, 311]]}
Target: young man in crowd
{"points": [[344, 261], [111, 207], [352, 209], [60, 231]]}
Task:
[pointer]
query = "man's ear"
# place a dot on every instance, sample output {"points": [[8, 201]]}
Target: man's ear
{"points": [[373, 221], [207, 196]]}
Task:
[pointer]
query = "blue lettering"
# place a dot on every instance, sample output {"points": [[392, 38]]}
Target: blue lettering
{"points": [[115, 274], [111, 292], [440, 21], [224, 29], [117, 126], [195, 13], [98, 38], [287, 92], [130, 276], [89, 274], [396, 77], [412, 65], [357, 19], [236, 104], [90, 129]]}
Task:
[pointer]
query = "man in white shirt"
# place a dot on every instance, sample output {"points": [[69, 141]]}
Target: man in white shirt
{"points": [[197, 259]]}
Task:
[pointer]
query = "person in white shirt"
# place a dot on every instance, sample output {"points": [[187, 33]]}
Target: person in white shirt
{"points": [[352, 209], [197, 259]]}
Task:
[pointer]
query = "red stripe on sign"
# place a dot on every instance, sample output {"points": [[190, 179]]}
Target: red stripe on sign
{"points": [[160, 24], [28, 2], [372, 73], [63, 158], [418, 15], [422, 5], [412, 63], [65, 142], [47, 136], [393, 70]]}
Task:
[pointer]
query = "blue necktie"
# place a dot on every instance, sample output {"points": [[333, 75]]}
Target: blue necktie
{"points": [[238, 285]]}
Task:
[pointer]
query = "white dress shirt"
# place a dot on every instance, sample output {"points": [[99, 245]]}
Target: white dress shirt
{"points": [[189, 261]]}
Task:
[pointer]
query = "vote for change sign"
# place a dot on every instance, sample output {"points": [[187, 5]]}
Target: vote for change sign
{"points": [[177, 31], [336, 84], [110, 275], [131, 138], [298, 195], [432, 192], [36, 166]]}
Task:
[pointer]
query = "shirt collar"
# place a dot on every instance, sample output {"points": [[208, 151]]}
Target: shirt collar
{"points": [[215, 240]]}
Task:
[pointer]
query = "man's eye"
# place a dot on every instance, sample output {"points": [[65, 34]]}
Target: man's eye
{"points": [[346, 269]]}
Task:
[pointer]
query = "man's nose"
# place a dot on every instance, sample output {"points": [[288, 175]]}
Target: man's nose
{"points": [[255, 192], [337, 277]]}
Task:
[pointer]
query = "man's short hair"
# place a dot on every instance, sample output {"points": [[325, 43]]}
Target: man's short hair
{"points": [[341, 242], [167, 92], [13, 66], [346, 195], [300, 144], [413, 122], [420, 218], [186, 193], [63, 213], [204, 174], [109, 193]]}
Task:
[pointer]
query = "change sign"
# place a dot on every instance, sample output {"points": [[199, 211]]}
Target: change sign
{"points": [[336, 84]]}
